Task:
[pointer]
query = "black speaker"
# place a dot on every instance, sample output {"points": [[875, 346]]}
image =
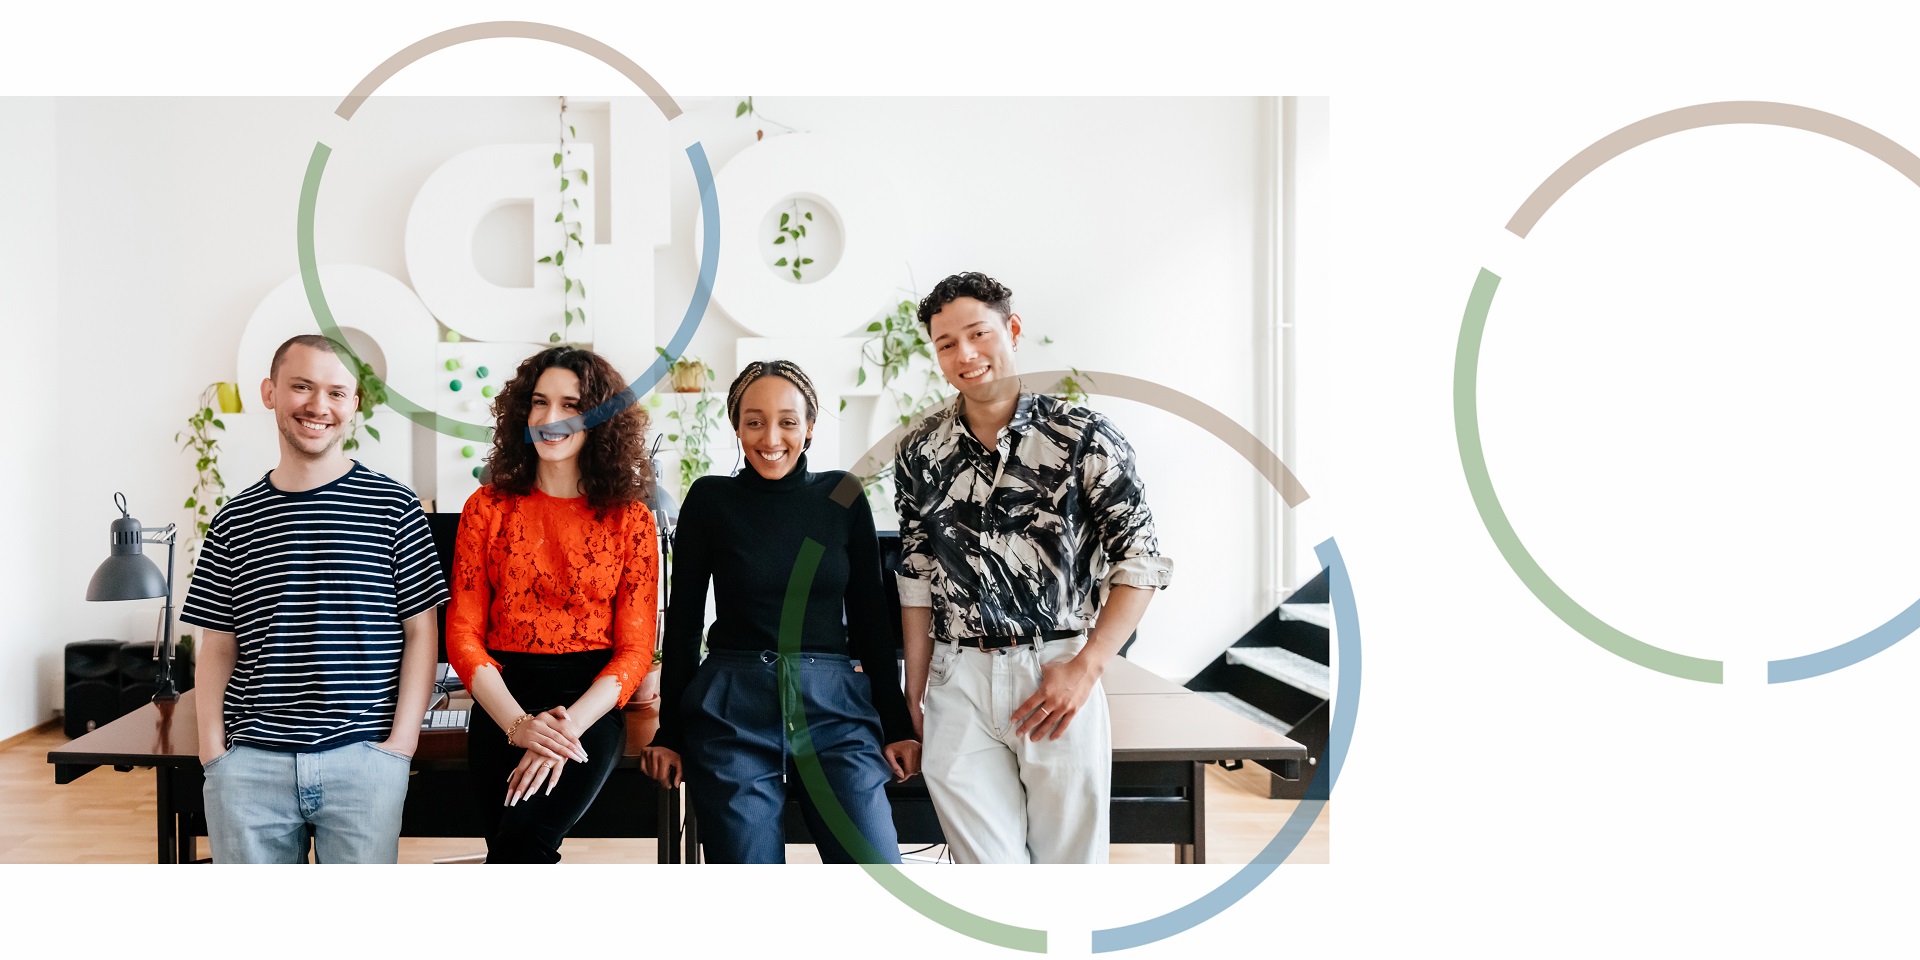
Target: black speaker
{"points": [[139, 671], [93, 684]]}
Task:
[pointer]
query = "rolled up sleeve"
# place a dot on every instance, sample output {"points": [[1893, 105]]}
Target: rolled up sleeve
{"points": [[1117, 509]]}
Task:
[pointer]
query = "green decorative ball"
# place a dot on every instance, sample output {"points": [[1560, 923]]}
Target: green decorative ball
{"points": [[480, 372], [476, 473], [487, 391], [467, 451], [453, 337], [453, 363], [453, 385]]}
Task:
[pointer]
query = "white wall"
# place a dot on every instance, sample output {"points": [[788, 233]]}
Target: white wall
{"points": [[30, 644], [1128, 229]]}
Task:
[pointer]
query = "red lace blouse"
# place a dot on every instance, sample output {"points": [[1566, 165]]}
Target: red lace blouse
{"points": [[538, 574]]}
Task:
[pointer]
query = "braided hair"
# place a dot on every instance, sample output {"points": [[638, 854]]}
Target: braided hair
{"points": [[784, 369]]}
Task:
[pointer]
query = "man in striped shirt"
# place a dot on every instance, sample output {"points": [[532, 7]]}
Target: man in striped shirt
{"points": [[315, 592]]}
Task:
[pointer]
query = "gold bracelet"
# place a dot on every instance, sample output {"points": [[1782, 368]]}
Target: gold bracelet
{"points": [[515, 727]]}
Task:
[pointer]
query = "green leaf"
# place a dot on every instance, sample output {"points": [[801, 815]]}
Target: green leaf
{"points": [[805, 260], [783, 219], [796, 273], [843, 404], [904, 419], [575, 238], [189, 504], [556, 218], [808, 215], [576, 201], [563, 183], [569, 286], [583, 288], [583, 178], [673, 438], [350, 445], [873, 327], [556, 160], [780, 239], [371, 432], [861, 377], [560, 259], [570, 132], [740, 110], [780, 262], [803, 229]]}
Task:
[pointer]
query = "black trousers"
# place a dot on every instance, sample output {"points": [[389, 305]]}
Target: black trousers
{"points": [[531, 830]]}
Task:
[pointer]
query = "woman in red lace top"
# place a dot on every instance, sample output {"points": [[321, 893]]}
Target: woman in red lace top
{"points": [[555, 585]]}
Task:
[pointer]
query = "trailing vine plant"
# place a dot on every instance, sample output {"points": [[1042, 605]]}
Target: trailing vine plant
{"points": [[373, 393], [898, 337], [209, 490], [569, 232], [794, 229], [693, 429]]}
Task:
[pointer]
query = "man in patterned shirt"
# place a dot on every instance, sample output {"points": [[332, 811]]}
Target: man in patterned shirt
{"points": [[1029, 554]]}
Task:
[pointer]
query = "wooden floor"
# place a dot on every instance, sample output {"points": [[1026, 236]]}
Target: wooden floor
{"points": [[108, 817]]}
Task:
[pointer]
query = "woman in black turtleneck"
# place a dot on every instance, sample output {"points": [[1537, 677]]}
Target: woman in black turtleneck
{"points": [[728, 717]]}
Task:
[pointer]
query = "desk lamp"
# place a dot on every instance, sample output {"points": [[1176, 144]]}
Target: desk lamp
{"points": [[127, 574]]}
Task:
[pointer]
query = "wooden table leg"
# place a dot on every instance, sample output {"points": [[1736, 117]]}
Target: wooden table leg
{"points": [[163, 804]]}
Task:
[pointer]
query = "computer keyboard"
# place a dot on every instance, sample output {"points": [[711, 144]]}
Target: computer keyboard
{"points": [[445, 720]]}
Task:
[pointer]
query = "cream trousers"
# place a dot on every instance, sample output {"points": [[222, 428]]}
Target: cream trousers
{"points": [[1003, 798]]}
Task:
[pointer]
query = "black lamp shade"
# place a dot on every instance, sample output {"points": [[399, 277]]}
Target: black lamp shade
{"points": [[127, 578], [127, 574]]}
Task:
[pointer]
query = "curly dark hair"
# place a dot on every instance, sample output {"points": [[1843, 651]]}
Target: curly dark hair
{"points": [[973, 284], [614, 467]]}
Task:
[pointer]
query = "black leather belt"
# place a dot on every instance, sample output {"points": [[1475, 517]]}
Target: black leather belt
{"points": [[1001, 643]]}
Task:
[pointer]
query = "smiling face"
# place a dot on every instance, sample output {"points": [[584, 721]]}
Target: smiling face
{"points": [[774, 429], [556, 396], [313, 398], [974, 345]]}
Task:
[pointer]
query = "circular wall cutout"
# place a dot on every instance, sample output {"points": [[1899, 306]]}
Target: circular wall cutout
{"points": [[801, 238]]}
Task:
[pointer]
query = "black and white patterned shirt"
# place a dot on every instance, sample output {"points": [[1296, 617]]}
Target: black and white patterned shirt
{"points": [[1018, 541]]}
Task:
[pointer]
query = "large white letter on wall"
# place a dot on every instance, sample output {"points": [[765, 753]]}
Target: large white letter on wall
{"points": [[864, 260], [440, 229]]}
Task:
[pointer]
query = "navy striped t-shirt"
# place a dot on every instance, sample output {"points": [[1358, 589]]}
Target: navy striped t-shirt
{"points": [[314, 585]]}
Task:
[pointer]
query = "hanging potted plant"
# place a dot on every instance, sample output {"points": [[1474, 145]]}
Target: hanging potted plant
{"points": [[689, 374]]}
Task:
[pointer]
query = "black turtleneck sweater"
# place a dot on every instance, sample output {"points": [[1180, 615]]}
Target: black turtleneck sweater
{"points": [[744, 532]]}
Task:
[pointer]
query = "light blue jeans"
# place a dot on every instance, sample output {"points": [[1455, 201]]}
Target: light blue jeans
{"points": [[259, 803]]}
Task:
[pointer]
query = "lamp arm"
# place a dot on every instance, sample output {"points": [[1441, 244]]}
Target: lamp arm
{"points": [[164, 687]]}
